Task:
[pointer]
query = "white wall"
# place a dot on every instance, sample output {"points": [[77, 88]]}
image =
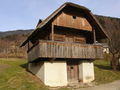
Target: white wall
{"points": [[37, 69], [55, 73], [86, 71]]}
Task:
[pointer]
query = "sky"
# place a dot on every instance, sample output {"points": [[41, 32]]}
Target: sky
{"points": [[24, 14]]}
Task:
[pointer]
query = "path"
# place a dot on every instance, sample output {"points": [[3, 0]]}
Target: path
{"points": [[111, 86]]}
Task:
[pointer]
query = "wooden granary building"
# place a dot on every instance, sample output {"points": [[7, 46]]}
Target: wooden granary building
{"points": [[62, 48]]}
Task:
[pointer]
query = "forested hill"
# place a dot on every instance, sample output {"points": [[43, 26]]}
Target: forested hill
{"points": [[10, 42], [15, 32]]}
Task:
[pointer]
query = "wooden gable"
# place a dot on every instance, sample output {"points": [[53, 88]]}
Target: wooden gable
{"points": [[72, 20]]}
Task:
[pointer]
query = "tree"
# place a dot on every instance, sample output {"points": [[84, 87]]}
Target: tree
{"points": [[114, 47], [112, 29]]}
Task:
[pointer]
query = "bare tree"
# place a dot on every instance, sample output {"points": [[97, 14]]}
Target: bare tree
{"points": [[114, 46]]}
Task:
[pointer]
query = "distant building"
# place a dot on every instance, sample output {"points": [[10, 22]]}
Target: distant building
{"points": [[105, 48]]}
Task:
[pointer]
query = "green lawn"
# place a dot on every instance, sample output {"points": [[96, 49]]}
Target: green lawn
{"points": [[13, 75], [104, 73]]}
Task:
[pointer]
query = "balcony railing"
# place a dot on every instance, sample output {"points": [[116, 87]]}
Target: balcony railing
{"points": [[55, 49]]}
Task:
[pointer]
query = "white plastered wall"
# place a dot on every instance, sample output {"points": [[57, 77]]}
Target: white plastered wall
{"points": [[37, 69], [55, 73], [51, 73], [86, 71]]}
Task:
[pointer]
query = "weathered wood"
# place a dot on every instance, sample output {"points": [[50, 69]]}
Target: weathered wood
{"points": [[52, 32], [55, 49], [94, 36], [72, 70], [28, 45], [72, 20]]}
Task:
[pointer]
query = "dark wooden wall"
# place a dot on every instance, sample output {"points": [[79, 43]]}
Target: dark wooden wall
{"points": [[67, 26], [69, 36]]}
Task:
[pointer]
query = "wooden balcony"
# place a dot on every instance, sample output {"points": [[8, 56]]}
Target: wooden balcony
{"points": [[55, 49]]}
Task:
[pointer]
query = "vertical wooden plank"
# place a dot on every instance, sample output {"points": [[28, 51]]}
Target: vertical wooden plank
{"points": [[54, 49], [28, 45], [52, 32], [94, 35]]}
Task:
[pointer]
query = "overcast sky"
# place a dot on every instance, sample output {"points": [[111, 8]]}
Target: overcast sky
{"points": [[24, 14]]}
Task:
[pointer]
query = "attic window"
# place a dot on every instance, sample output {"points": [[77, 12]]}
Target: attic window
{"points": [[74, 17]]}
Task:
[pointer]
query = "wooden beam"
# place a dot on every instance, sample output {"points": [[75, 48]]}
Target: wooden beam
{"points": [[94, 35], [28, 45], [52, 32], [52, 60]]}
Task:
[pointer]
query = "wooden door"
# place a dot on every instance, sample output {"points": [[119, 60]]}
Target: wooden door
{"points": [[72, 71]]}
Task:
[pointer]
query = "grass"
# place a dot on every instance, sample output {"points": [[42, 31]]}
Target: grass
{"points": [[104, 73], [13, 75]]}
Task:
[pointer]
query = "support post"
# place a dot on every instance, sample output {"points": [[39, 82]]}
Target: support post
{"points": [[52, 32], [28, 45], [52, 60], [94, 35]]}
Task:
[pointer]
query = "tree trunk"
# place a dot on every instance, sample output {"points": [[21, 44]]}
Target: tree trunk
{"points": [[114, 63], [118, 59]]}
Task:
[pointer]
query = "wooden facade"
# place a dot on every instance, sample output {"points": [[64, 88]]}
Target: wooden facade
{"points": [[54, 49], [72, 20], [69, 35]]}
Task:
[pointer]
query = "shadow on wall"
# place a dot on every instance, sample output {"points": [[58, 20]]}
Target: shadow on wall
{"points": [[104, 67], [35, 67]]}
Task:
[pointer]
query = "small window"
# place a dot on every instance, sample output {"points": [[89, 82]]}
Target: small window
{"points": [[74, 17]]}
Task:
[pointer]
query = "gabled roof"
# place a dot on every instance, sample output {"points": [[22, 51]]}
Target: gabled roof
{"points": [[91, 17]]}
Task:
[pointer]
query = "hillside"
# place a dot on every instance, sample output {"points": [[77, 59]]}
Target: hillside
{"points": [[4, 34], [109, 24], [13, 76], [10, 43]]}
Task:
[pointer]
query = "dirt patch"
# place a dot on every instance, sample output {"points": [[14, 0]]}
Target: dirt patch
{"points": [[3, 67], [109, 86]]}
